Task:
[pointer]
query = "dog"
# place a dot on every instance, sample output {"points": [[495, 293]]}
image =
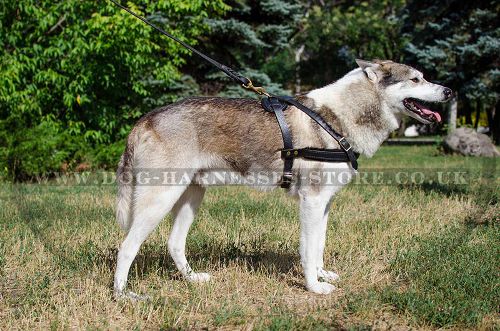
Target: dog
{"points": [[200, 135]]}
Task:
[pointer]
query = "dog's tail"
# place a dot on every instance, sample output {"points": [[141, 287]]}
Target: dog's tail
{"points": [[125, 180]]}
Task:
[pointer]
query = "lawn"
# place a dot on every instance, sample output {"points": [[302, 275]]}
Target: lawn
{"points": [[421, 255]]}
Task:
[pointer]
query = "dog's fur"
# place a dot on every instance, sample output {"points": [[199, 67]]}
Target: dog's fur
{"points": [[200, 134]]}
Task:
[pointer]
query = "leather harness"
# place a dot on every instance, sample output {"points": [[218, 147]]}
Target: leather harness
{"points": [[277, 105]]}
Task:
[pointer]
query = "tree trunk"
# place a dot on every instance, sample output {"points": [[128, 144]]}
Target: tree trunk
{"points": [[494, 124], [452, 114], [298, 81], [468, 115], [478, 114], [402, 127]]}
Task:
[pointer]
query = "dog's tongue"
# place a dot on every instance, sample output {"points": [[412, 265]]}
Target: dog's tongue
{"points": [[429, 112]]}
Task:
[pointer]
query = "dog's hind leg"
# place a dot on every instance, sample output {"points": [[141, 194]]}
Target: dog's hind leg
{"points": [[152, 203], [184, 212]]}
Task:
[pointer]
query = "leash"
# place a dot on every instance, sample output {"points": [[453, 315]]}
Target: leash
{"points": [[240, 79], [276, 105]]}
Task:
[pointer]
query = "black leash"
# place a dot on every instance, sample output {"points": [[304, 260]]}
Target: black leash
{"points": [[244, 81], [277, 105]]}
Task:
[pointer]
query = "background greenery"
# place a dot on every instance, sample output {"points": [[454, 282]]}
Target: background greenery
{"points": [[75, 75]]}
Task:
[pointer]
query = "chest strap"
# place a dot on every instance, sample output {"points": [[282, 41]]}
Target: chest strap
{"points": [[278, 105]]}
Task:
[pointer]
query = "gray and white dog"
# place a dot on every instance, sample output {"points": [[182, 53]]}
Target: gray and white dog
{"points": [[201, 135]]}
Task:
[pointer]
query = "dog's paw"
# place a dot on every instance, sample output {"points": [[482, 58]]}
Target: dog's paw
{"points": [[321, 288], [327, 276], [129, 295], [199, 277]]}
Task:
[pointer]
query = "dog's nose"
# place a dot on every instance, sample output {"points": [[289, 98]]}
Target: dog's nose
{"points": [[447, 93]]}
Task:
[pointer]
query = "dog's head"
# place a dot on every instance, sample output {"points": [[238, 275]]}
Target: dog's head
{"points": [[405, 90]]}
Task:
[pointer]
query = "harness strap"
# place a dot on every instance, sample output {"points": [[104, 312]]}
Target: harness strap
{"points": [[316, 154], [277, 107], [344, 144]]}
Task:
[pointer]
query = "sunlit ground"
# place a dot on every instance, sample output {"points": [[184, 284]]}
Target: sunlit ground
{"points": [[419, 255]]}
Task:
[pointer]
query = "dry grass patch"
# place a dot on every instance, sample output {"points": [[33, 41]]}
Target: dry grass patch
{"points": [[58, 248]]}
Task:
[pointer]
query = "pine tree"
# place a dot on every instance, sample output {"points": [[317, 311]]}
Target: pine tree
{"points": [[248, 38], [457, 43], [335, 33]]}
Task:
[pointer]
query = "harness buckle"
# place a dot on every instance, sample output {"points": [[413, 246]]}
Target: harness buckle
{"points": [[344, 144], [286, 179]]}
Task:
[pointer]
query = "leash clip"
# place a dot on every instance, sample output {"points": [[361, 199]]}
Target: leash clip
{"points": [[257, 89]]}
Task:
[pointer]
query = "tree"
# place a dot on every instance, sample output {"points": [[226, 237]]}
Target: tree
{"points": [[80, 72], [335, 33], [249, 38], [457, 43]]}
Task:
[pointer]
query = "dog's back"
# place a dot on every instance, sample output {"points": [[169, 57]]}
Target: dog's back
{"points": [[211, 132]]}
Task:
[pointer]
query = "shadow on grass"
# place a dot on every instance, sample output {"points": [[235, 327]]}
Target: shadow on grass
{"points": [[482, 191], [155, 259], [203, 253], [448, 190]]}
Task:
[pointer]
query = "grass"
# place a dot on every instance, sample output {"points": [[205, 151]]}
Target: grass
{"points": [[461, 290], [422, 255]]}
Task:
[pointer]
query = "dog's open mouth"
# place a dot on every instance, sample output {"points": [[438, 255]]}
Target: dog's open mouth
{"points": [[421, 110]]}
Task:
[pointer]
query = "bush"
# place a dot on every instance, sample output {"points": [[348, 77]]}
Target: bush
{"points": [[38, 151], [74, 75]]}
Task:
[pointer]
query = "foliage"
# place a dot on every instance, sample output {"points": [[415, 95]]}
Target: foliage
{"points": [[457, 43], [75, 75], [252, 33], [43, 148], [335, 35], [86, 70]]}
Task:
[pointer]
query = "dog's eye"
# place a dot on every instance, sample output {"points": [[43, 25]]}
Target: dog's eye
{"points": [[415, 80]]}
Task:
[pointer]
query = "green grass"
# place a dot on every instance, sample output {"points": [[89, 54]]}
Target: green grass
{"points": [[451, 278], [422, 255]]}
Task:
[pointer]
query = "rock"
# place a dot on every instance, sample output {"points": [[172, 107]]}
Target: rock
{"points": [[411, 131], [466, 141], [482, 129]]}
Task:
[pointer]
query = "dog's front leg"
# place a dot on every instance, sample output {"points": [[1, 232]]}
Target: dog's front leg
{"points": [[312, 214], [323, 274]]}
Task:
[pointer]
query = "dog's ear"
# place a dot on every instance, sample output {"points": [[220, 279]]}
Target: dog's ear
{"points": [[371, 70], [365, 64]]}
